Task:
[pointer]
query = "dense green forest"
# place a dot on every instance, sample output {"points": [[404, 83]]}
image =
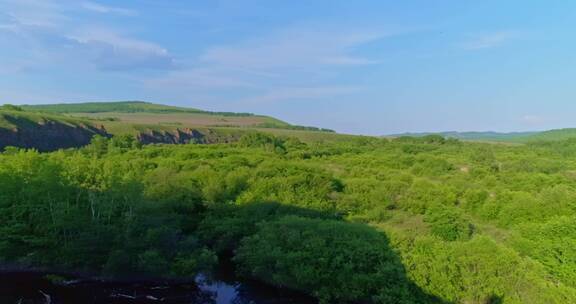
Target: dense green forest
{"points": [[406, 220]]}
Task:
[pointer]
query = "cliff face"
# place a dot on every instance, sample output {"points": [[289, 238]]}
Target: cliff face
{"points": [[49, 135], [185, 136]]}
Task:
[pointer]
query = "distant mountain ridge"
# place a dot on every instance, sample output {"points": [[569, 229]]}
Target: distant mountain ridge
{"points": [[487, 135], [550, 135]]}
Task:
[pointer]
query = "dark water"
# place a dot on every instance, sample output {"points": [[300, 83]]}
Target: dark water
{"points": [[27, 287]]}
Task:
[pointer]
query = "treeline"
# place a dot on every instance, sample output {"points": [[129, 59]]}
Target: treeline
{"points": [[121, 107], [411, 220], [292, 127]]}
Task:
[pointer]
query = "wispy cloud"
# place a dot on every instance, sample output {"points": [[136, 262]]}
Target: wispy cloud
{"points": [[52, 28], [115, 51], [295, 48], [104, 9], [286, 64], [489, 40]]}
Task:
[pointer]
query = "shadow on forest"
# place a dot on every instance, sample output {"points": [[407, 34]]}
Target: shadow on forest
{"points": [[225, 228], [238, 222]]}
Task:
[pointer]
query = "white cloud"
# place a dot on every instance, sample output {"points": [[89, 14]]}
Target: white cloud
{"points": [[115, 51], [51, 28], [295, 48], [103, 9], [284, 65], [489, 40]]}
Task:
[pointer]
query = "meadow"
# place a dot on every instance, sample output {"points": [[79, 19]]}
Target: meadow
{"points": [[131, 117]]}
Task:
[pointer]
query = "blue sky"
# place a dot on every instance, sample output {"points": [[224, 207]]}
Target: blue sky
{"points": [[366, 67]]}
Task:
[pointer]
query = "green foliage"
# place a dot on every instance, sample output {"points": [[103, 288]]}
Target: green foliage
{"points": [[122, 107], [19, 117], [291, 127], [553, 244], [479, 271], [447, 223], [468, 222], [334, 261], [262, 140], [422, 194], [10, 107]]}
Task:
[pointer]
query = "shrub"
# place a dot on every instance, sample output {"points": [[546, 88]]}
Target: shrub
{"points": [[334, 261], [448, 224]]}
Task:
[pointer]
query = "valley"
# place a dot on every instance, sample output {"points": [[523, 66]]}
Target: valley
{"points": [[363, 219]]}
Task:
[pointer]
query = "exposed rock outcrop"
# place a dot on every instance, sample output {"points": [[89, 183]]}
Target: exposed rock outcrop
{"points": [[185, 136], [49, 135]]}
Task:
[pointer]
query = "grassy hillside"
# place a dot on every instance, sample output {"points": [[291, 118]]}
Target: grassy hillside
{"points": [[119, 106], [552, 135], [44, 131], [145, 113], [151, 123], [13, 118]]}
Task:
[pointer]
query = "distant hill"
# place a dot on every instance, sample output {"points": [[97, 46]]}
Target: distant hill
{"points": [[518, 137], [56, 126], [476, 136], [140, 112], [551, 135], [121, 107], [44, 131]]}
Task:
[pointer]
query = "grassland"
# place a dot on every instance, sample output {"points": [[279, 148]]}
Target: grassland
{"points": [[552, 135], [135, 118], [196, 119], [145, 113], [10, 119], [101, 107]]}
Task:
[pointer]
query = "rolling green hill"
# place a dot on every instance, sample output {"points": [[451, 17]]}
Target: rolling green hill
{"points": [[552, 135], [145, 113], [13, 117], [120, 107], [52, 127]]}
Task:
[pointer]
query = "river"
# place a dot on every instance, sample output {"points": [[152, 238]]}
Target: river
{"points": [[37, 287]]}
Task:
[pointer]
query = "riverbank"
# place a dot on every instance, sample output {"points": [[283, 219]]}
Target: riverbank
{"points": [[45, 287]]}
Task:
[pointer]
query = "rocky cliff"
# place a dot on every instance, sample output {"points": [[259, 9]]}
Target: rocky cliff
{"points": [[49, 135], [49, 132], [185, 136]]}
